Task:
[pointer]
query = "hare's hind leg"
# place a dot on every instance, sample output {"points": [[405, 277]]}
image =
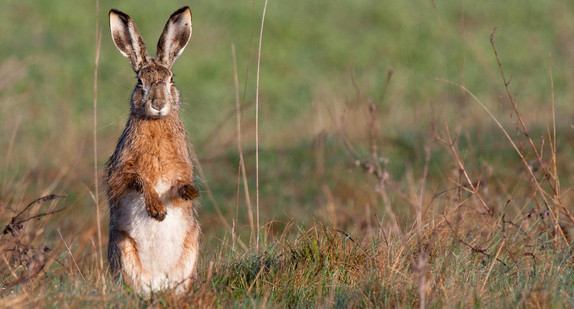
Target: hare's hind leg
{"points": [[185, 269], [114, 255], [124, 259]]}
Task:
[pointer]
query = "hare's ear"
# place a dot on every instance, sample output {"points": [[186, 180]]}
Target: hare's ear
{"points": [[174, 37], [127, 39]]}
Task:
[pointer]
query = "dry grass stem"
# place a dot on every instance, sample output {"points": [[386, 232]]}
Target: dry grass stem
{"points": [[257, 123], [98, 42], [71, 255], [492, 265], [239, 114]]}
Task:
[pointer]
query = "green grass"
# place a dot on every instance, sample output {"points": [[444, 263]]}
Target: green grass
{"points": [[322, 64]]}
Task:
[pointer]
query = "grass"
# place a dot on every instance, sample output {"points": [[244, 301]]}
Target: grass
{"points": [[338, 215]]}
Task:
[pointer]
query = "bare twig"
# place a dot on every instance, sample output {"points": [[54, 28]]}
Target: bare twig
{"points": [[347, 236], [40, 200], [553, 186], [527, 167], [512, 102], [473, 187], [38, 216], [30, 261], [16, 222], [439, 194], [476, 250]]}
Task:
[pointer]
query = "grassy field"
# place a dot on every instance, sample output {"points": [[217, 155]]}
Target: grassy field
{"points": [[398, 167]]}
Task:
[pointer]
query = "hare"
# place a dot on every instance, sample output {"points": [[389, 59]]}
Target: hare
{"points": [[154, 233]]}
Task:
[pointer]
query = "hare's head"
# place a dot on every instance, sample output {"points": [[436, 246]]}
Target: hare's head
{"points": [[154, 95]]}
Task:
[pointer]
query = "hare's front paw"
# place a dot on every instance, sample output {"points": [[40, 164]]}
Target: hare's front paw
{"points": [[156, 209], [188, 192]]}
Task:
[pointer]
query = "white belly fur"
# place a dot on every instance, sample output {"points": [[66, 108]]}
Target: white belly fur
{"points": [[160, 244]]}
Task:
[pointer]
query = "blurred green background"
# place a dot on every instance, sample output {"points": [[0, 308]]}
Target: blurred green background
{"points": [[321, 60]]}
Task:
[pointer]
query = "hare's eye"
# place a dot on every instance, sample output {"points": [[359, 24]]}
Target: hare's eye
{"points": [[139, 81], [171, 80]]}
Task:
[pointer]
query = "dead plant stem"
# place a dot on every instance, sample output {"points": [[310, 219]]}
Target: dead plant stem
{"points": [[257, 123], [240, 145], [553, 186], [98, 40], [473, 188], [522, 158], [553, 146]]}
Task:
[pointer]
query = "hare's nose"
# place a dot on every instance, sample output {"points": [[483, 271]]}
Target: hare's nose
{"points": [[157, 104]]}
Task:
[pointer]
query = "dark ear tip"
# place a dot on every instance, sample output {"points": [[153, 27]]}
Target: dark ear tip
{"points": [[123, 15], [181, 10]]}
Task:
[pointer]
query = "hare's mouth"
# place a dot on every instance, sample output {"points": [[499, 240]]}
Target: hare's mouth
{"points": [[158, 111]]}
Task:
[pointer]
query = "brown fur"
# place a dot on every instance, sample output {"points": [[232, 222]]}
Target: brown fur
{"points": [[147, 151]]}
